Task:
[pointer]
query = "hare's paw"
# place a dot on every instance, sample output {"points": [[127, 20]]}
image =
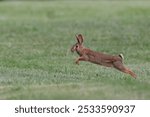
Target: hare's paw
{"points": [[77, 62]]}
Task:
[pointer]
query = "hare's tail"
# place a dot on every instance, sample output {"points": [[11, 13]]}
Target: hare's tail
{"points": [[121, 56]]}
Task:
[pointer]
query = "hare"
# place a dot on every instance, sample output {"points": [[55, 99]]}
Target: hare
{"points": [[86, 54]]}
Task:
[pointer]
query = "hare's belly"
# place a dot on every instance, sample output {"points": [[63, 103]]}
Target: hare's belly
{"points": [[95, 59], [100, 61]]}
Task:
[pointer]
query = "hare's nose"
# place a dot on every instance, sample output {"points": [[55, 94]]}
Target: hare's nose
{"points": [[72, 49]]}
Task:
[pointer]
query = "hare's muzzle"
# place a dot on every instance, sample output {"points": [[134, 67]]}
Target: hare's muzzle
{"points": [[73, 49]]}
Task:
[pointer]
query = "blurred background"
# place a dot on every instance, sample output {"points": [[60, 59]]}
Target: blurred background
{"points": [[35, 42]]}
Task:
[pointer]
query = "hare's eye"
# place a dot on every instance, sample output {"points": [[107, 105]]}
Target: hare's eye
{"points": [[76, 46]]}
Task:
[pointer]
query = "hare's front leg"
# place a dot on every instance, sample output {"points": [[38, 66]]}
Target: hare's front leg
{"points": [[81, 58]]}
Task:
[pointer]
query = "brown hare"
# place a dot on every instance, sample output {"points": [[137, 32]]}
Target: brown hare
{"points": [[86, 54]]}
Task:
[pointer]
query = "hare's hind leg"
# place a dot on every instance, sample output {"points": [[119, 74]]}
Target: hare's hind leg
{"points": [[119, 65]]}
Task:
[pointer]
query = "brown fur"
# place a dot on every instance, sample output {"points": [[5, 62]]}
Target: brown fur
{"points": [[99, 58]]}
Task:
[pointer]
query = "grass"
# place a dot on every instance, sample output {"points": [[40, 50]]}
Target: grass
{"points": [[35, 57]]}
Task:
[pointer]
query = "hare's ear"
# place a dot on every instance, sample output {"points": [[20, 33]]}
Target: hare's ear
{"points": [[79, 38]]}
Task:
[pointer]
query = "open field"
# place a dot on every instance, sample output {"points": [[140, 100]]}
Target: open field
{"points": [[35, 57]]}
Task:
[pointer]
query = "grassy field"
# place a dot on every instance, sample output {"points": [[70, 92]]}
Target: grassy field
{"points": [[35, 57]]}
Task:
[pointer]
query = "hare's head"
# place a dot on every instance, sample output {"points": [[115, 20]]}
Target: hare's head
{"points": [[79, 45]]}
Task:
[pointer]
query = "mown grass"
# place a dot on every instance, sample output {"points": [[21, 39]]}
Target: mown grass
{"points": [[35, 57]]}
